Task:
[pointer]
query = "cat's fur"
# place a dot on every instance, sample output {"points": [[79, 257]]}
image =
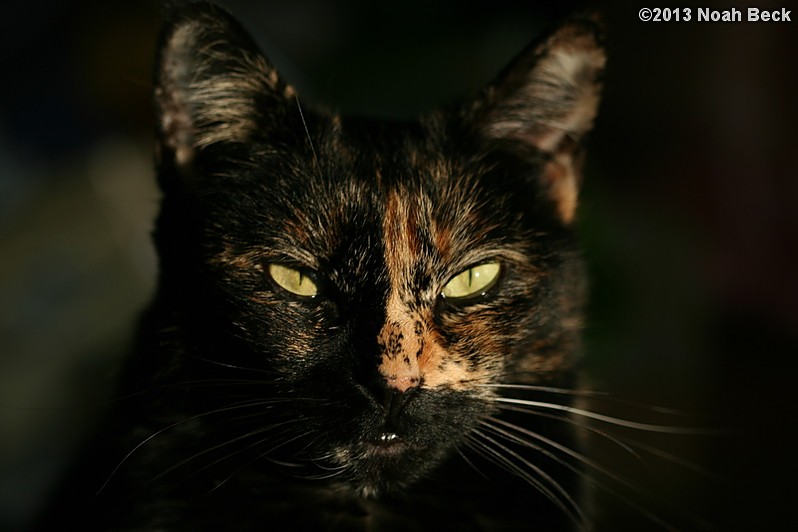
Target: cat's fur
{"points": [[373, 405]]}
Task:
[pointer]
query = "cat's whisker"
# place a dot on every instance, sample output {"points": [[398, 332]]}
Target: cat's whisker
{"points": [[230, 366], [260, 456], [315, 461], [674, 459], [231, 441], [549, 442], [319, 461], [577, 423], [470, 463], [492, 455], [203, 383], [332, 471], [624, 482], [544, 483], [547, 389], [526, 443], [482, 450], [628, 444], [170, 427], [648, 427], [605, 397], [307, 134]]}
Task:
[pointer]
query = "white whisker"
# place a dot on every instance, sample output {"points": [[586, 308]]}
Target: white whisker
{"points": [[230, 366], [674, 459], [307, 134], [547, 389], [259, 457], [225, 444], [649, 427], [558, 446], [170, 427], [562, 501], [583, 426], [622, 481], [595, 394], [470, 463]]}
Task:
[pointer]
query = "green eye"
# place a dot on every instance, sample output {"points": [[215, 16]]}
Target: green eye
{"points": [[293, 280], [474, 281]]}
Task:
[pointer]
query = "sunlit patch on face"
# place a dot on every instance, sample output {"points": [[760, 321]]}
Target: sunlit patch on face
{"points": [[414, 351], [474, 281], [293, 280]]}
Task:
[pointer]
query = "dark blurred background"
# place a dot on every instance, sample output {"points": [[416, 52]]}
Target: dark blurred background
{"points": [[689, 213]]}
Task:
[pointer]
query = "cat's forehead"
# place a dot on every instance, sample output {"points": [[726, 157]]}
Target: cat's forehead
{"points": [[410, 233], [412, 165], [362, 196], [412, 178]]}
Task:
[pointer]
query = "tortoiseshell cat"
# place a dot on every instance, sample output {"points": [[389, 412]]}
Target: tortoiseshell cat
{"points": [[351, 312]]}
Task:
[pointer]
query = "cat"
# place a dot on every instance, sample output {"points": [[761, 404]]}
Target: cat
{"points": [[359, 324]]}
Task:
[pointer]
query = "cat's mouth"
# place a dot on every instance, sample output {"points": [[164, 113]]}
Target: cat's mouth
{"points": [[389, 444]]}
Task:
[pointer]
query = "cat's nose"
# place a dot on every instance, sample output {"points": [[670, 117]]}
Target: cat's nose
{"points": [[389, 394], [394, 402], [404, 381]]}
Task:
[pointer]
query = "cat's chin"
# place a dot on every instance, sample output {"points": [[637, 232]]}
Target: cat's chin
{"points": [[387, 465]]}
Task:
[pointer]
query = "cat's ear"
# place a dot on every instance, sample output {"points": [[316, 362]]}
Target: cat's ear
{"points": [[212, 84], [545, 102]]}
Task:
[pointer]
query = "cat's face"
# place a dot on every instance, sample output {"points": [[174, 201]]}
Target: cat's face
{"points": [[377, 280]]}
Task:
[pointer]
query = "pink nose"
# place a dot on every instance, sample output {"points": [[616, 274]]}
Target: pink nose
{"points": [[403, 382]]}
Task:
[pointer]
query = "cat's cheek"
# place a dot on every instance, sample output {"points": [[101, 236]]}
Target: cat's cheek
{"points": [[479, 348]]}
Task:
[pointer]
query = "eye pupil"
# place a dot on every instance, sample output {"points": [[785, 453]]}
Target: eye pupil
{"points": [[474, 281], [293, 280]]}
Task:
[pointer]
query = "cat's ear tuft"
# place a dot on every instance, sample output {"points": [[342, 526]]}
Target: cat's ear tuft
{"points": [[212, 84], [546, 101]]}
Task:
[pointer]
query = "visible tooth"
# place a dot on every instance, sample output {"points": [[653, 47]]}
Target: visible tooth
{"points": [[386, 437]]}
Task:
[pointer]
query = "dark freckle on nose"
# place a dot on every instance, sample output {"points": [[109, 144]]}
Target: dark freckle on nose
{"points": [[393, 345]]}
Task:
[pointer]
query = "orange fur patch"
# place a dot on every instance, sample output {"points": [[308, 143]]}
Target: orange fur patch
{"points": [[412, 351]]}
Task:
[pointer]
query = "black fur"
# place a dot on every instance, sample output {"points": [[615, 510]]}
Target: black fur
{"points": [[247, 407]]}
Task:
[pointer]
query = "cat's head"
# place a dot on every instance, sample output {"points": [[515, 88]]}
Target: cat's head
{"points": [[377, 280]]}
